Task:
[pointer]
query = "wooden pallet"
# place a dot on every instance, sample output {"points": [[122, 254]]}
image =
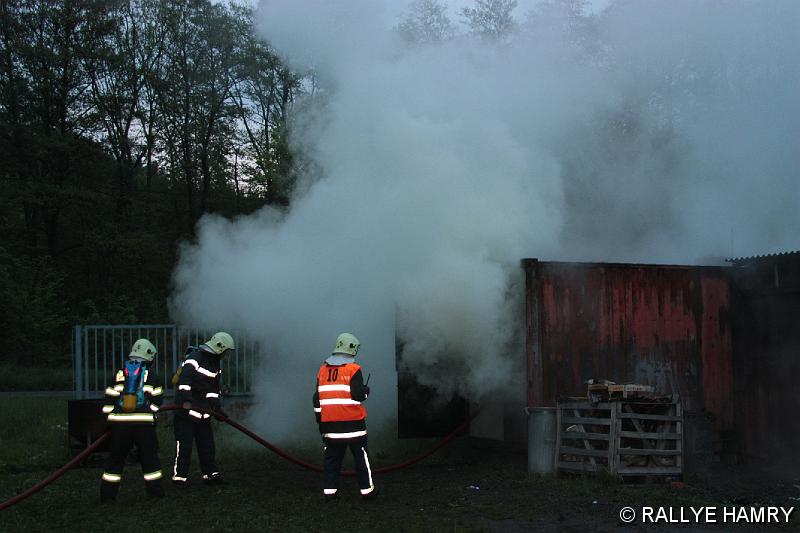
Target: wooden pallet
{"points": [[608, 391], [624, 438]]}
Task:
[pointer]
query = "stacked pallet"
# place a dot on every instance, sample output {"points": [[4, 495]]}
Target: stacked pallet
{"points": [[629, 437]]}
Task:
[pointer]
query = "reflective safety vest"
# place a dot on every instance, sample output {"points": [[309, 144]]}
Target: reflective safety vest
{"points": [[147, 397], [335, 400]]}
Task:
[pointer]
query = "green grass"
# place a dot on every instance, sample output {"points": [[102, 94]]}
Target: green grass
{"points": [[33, 434], [267, 493], [23, 378]]}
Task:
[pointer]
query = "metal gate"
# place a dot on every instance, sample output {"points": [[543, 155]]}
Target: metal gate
{"points": [[99, 350]]}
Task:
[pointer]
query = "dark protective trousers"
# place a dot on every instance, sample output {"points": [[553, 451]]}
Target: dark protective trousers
{"points": [[334, 453], [123, 438], [187, 431]]}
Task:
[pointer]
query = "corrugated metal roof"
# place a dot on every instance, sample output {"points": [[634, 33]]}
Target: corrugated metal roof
{"points": [[752, 258]]}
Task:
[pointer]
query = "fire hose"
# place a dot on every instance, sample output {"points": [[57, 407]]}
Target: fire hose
{"points": [[271, 447]]}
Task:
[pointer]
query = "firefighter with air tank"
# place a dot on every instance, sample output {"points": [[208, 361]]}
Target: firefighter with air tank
{"points": [[198, 390], [341, 416], [132, 403]]}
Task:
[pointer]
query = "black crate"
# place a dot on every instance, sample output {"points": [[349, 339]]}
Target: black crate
{"points": [[86, 422]]}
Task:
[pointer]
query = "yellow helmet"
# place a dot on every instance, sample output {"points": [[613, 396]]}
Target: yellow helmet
{"points": [[143, 349], [347, 343], [220, 342]]}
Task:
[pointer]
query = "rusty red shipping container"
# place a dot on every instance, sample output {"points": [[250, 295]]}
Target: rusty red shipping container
{"points": [[767, 358], [666, 326]]}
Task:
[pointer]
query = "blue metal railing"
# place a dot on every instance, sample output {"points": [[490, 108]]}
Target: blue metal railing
{"points": [[100, 349]]}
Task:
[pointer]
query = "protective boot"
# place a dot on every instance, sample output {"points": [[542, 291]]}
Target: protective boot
{"points": [[370, 496], [108, 491], [214, 479]]}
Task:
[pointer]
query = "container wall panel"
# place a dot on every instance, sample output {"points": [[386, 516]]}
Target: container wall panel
{"points": [[767, 362], [666, 326]]}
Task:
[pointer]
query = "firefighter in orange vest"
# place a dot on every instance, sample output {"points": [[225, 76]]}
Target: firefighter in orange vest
{"points": [[342, 417]]}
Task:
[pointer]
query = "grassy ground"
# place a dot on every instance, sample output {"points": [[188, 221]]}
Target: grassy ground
{"points": [[459, 489], [23, 378]]}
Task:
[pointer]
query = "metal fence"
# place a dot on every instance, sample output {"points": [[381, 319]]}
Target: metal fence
{"points": [[100, 350]]}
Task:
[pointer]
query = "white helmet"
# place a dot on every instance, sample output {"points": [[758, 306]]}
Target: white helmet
{"points": [[347, 343], [143, 349], [220, 342]]}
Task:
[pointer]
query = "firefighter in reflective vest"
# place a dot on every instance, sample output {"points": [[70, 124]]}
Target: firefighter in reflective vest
{"points": [[199, 386], [131, 405], [342, 417]]}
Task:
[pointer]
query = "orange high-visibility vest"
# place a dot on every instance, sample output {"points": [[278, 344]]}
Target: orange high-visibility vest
{"points": [[333, 385]]}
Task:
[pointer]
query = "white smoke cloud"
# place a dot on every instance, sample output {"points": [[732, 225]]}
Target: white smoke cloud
{"points": [[672, 124]]}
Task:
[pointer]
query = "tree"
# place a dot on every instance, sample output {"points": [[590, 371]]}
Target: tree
{"points": [[46, 102], [121, 123], [264, 92], [491, 19], [194, 96], [426, 22], [120, 72], [565, 20]]}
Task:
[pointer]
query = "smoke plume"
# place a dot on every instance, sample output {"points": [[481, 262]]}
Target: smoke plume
{"points": [[651, 131]]}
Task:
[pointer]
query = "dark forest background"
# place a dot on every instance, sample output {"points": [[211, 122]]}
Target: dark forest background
{"points": [[121, 123]]}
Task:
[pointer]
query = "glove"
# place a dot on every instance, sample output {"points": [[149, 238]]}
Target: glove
{"points": [[366, 390], [187, 405]]}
